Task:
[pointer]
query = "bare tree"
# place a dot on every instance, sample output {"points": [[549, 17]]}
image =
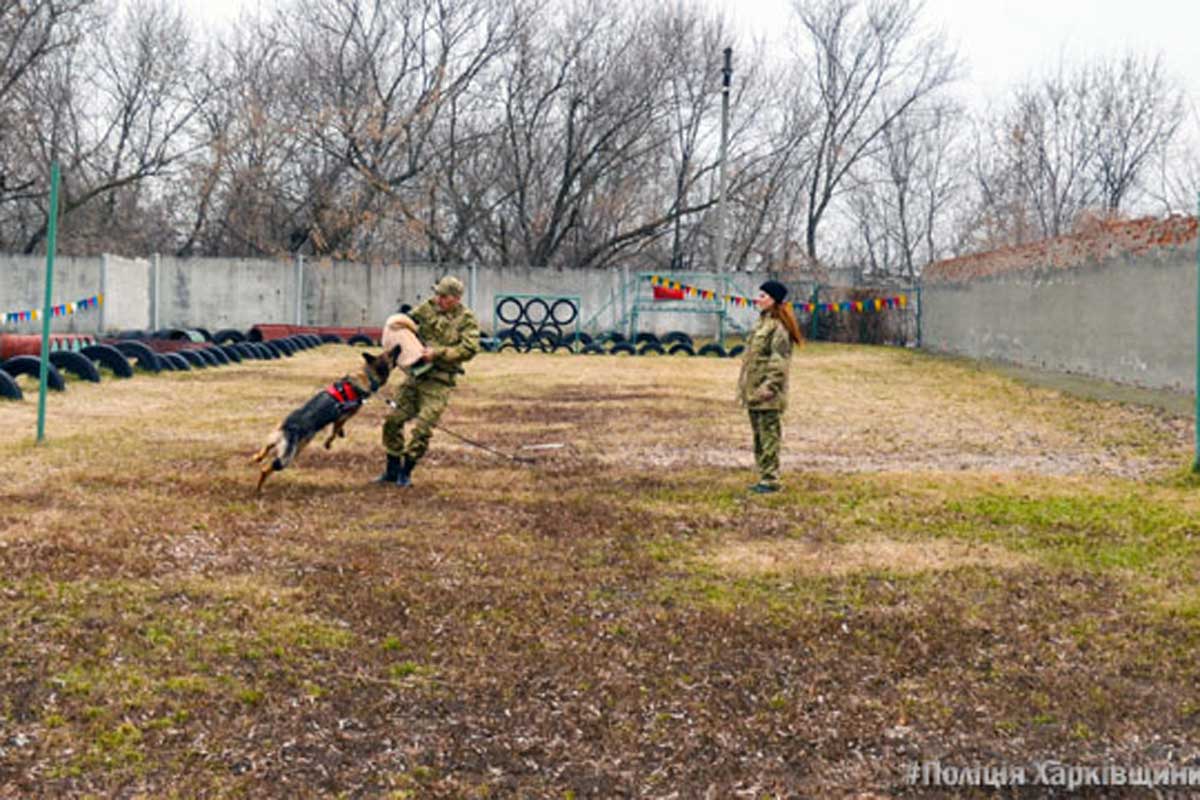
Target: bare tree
{"points": [[1075, 142], [31, 31], [115, 113], [378, 78], [871, 65], [904, 192], [581, 124], [1137, 114], [771, 176], [1175, 185]]}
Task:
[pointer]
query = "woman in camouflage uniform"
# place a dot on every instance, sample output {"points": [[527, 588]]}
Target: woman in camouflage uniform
{"points": [[763, 382]]}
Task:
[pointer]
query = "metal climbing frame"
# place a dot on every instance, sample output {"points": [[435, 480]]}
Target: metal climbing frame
{"points": [[636, 299]]}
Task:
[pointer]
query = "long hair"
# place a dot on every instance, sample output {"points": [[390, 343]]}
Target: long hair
{"points": [[784, 313]]}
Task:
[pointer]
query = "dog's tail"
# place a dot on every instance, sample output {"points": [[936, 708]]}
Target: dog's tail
{"points": [[285, 450], [283, 444]]}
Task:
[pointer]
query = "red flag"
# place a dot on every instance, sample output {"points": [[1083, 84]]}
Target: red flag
{"points": [[665, 293]]}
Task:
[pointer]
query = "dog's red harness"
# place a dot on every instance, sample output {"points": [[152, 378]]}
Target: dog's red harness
{"points": [[344, 393]]}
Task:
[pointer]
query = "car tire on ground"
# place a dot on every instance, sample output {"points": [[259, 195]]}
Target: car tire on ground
{"points": [[77, 364], [9, 389], [32, 365], [175, 362], [650, 348], [110, 357], [193, 358], [146, 358], [229, 336]]}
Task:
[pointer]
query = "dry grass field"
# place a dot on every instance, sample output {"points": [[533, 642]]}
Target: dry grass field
{"points": [[961, 568]]}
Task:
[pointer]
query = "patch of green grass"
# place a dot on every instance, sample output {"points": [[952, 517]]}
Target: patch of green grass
{"points": [[407, 669], [1131, 531], [116, 747]]}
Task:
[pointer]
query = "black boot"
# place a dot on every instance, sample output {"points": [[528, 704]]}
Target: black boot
{"points": [[392, 472], [405, 472]]}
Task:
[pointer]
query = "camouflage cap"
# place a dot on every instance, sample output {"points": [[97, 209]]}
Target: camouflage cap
{"points": [[449, 285]]}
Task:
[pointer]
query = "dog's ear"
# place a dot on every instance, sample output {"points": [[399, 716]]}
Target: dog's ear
{"points": [[393, 355], [367, 357]]}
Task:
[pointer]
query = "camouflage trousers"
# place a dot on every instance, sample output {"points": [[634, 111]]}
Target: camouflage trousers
{"points": [[766, 428], [420, 400]]}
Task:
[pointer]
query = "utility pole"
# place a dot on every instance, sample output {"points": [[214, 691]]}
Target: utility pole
{"points": [[727, 75]]}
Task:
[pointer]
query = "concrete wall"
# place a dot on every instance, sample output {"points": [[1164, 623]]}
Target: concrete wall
{"points": [[1125, 318], [23, 288], [228, 293], [128, 301]]}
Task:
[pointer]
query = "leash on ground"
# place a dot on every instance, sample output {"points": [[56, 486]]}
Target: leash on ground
{"points": [[492, 450], [482, 446]]}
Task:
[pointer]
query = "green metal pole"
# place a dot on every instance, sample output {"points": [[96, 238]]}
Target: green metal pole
{"points": [[816, 301], [51, 235], [920, 303], [1196, 420]]}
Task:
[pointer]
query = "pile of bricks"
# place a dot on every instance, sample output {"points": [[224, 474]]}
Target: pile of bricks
{"points": [[1097, 240]]}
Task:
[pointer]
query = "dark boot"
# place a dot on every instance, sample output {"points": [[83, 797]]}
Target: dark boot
{"points": [[392, 472], [405, 472]]}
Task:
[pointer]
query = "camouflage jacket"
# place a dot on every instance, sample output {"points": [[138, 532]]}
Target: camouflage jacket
{"points": [[763, 382], [453, 336]]}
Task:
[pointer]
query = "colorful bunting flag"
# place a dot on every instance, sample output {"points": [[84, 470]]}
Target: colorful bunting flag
{"points": [[60, 310], [665, 289]]}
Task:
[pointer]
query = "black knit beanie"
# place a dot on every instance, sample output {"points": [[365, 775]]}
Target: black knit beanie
{"points": [[775, 289]]}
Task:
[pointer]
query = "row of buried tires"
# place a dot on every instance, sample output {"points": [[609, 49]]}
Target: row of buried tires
{"points": [[548, 340], [121, 355], [235, 336]]}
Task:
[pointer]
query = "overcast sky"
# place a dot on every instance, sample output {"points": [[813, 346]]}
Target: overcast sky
{"points": [[1002, 42]]}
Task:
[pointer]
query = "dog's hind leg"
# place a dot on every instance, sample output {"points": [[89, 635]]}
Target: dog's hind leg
{"points": [[336, 433], [263, 474], [272, 442]]}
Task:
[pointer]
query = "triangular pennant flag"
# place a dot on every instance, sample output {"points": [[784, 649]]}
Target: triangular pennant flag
{"points": [[903, 300]]}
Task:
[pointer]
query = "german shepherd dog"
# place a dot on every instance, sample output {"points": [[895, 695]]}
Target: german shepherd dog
{"points": [[335, 404]]}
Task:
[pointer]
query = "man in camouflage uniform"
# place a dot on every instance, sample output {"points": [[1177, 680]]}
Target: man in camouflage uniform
{"points": [[451, 337]]}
